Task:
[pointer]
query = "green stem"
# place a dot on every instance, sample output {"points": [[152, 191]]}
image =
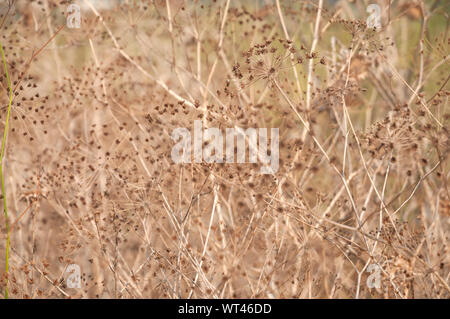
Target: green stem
{"points": [[5, 133]]}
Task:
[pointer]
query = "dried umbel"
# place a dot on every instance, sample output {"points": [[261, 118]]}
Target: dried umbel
{"points": [[358, 206]]}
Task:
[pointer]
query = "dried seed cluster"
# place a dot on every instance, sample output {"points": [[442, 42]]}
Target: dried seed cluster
{"points": [[364, 143]]}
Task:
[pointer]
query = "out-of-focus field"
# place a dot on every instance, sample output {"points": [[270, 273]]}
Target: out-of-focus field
{"points": [[360, 204]]}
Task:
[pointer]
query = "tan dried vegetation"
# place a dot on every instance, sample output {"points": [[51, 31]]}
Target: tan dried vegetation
{"points": [[363, 179]]}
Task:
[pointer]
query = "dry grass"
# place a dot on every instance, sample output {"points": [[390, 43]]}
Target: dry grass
{"points": [[363, 179]]}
